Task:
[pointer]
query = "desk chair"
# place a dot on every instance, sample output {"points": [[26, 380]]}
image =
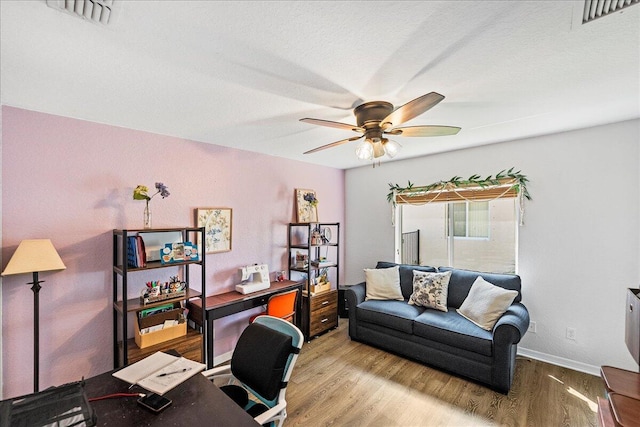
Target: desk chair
{"points": [[261, 364], [280, 305]]}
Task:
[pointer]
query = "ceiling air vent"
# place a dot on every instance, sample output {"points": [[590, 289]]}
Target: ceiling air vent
{"points": [[594, 9], [99, 11]]}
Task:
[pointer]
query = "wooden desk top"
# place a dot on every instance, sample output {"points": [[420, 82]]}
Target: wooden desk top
{"points": [[231, 297], [195, 402]]}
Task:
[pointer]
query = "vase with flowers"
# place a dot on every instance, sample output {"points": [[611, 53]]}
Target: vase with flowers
{"points": [[141, 192]]}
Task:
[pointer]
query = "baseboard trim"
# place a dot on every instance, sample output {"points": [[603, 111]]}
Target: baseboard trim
{"points": [[223, 358], [560, 361]]}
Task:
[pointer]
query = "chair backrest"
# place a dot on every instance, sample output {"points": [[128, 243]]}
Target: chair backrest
{"points": [[264, 357], [283, 305]]}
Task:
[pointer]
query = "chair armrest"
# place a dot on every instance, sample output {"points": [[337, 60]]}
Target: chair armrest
{"points": [[266, 416], [217, 372], [512, 326], [220, 373]]}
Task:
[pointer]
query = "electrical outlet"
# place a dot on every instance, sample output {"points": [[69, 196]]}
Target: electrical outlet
{"points": [[532, 327], [571, 334]]}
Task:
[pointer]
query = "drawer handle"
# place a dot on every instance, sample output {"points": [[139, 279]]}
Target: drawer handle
{"points": [[630, 307], [325, 302], [324, 320]]}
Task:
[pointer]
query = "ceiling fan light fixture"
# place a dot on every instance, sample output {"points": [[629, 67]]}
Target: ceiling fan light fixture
{"points": [[378, 149], [391, 147], [364, 150]]}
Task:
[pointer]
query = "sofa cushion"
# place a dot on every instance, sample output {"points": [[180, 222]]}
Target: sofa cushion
{"points": [[461, 281], [391, 314], [430, 289], [383, 284], [486, 303], [452, 329], [406, 275]]}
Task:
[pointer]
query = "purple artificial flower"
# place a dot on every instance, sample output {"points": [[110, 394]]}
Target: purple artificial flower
{"points": [[162, 189]]}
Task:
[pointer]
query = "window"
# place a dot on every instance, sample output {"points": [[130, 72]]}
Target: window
{"points": [[470, 219], [484, 238]]}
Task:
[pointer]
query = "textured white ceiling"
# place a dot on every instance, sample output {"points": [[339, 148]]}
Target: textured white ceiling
{"points": [[241, 74]]}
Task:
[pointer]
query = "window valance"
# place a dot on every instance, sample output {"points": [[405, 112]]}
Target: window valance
{"points": [[503, 185]]}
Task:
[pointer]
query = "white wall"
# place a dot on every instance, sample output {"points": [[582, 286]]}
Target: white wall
{"points": [[579, 247]]}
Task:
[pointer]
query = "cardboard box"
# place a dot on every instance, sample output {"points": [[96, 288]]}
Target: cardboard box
{"points": [[161, 335]]}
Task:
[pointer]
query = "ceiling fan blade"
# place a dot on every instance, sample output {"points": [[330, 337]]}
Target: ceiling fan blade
{"points": [[411, 109], [430, 130], [331, 124], [334, 144]]}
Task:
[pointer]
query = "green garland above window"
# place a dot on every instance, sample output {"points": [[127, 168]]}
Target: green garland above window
{"points": [[505, 183]]}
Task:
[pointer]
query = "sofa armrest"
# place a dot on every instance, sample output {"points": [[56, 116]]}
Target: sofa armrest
{"points": [[354, 295], [512, 326]]}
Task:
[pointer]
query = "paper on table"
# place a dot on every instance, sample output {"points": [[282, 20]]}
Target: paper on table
{"points": [[145, 372]]}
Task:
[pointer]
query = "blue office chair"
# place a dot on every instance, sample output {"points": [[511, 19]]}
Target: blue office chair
{"points": [[261, 364]]}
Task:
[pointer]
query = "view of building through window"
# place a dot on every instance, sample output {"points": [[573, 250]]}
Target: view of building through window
{"points": [[484, 238]]}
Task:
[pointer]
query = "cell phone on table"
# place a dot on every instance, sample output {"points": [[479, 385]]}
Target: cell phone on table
{"points": [[154, 402]]}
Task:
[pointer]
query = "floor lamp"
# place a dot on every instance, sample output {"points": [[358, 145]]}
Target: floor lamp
{"points": [[34, 256]]}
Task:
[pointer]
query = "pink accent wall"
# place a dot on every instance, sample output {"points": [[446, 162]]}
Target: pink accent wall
{"points": [[72, 181]]}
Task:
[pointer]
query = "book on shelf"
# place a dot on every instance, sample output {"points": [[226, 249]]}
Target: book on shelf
{"points": [[159, 372], [136, 253]]}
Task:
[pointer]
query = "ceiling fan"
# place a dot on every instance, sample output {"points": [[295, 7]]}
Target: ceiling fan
{"points": [[376, 119]]}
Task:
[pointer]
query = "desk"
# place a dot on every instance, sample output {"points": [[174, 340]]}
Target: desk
{"points": [[196, 401], [221, 305]]}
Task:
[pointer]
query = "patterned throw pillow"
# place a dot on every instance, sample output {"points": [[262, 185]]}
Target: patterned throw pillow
{"points": [[430, 289]]}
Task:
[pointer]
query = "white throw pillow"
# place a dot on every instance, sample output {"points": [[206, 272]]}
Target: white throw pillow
{"points": [[383, 283], [430, 289], [485, 303]]}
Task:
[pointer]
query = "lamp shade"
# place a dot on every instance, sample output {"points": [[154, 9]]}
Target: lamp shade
{"points": [[34, 256]]}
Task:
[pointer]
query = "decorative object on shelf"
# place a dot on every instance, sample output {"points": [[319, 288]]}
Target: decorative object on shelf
{"points": [[141, 192], [302, 260], [281, 276], [306, 205], [34, 256], [178, 252], [326, 235], [217, 224], [157, 291], [316, 237], [505, 183]]}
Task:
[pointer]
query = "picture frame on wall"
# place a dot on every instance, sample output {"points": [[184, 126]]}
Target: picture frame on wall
{"points": [[306, 210], [217, 223]]}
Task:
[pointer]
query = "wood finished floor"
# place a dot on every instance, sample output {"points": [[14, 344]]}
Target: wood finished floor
{"points": [[339, 382]]}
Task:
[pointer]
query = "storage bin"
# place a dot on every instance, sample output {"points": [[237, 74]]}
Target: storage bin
{"points": [[161, 335]]}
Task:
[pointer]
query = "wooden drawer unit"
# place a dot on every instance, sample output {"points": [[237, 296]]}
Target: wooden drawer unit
{"points": [[320, 313]]}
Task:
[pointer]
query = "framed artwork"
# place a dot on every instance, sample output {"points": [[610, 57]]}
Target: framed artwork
{"points": [[217, 225], [306, 205]]}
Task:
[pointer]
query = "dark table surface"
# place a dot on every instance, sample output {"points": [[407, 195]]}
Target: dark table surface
{"points": [[196, 402]]}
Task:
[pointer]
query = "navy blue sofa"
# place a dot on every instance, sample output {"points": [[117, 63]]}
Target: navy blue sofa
{"points": [[444, 340]]}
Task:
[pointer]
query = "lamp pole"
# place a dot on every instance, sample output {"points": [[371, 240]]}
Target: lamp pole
{"points": [[36, 332]]}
